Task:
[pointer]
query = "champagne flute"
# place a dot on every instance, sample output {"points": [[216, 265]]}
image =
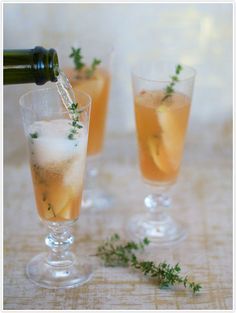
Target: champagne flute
{"points": [[162, 98], [57, 164]]}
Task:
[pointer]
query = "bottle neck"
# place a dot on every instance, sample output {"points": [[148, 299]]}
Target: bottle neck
{"points": [[36, 65], [45, 65]]}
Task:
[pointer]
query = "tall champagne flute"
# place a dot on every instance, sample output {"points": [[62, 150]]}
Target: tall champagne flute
{"points": [[57, 164], [162, 98], [97, 84]]}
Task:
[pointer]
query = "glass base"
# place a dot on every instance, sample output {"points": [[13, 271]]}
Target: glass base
{"points": [[96, 199], [161, 233], [57, 276]]}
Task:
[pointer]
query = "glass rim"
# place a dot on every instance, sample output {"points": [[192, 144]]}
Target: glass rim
{"points": [[25, 106], [192, 75]]}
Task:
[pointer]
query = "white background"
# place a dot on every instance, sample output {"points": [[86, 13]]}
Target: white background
{"points": [[199, 35]]}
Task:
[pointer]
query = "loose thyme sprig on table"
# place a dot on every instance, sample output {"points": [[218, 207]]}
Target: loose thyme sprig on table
{"points": [[115, 252], [169, 90], [74, 113], [79, 65]]}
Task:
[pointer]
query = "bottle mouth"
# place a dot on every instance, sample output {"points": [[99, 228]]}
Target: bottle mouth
{"points": [[45, 63], [53, 65]]}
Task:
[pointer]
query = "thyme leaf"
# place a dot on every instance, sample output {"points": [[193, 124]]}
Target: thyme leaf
{"points": [[74, 112], [90, 71], [77, 58], [79, 65], [34, 135]]}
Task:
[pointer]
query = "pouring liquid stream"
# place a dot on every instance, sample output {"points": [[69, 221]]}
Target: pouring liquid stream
{"points": [[65, 91]]}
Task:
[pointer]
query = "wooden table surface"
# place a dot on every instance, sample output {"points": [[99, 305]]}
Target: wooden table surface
{"points": [[202, 200]]}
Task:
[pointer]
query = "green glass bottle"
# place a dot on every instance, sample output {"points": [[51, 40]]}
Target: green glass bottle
{"points": [[36, 65]]}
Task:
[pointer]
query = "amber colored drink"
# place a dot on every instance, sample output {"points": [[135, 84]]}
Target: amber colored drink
{"points": [[57, 166], [57, 202], [97, 87], [161, 127]]}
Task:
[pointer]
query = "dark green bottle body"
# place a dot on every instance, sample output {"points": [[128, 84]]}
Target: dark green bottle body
{"points": [[36, 65]]}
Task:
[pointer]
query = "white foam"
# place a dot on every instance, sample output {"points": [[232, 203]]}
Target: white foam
{"points": [[52, 144], [74, 175]]}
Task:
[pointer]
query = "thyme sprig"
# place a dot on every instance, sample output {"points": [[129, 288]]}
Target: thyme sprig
{"points": [[79, 65], [74, 113], [77, 58], [166, 274], [34, 135], [169, 90], [115, 252], [91, 70]]}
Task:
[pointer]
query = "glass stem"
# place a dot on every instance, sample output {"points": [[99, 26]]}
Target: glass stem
{"points": [[59, 241], [157, 205]]}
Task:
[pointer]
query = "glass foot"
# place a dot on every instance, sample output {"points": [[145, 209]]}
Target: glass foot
{"points": [[56, 276], [96, 199], [161, 233]]}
